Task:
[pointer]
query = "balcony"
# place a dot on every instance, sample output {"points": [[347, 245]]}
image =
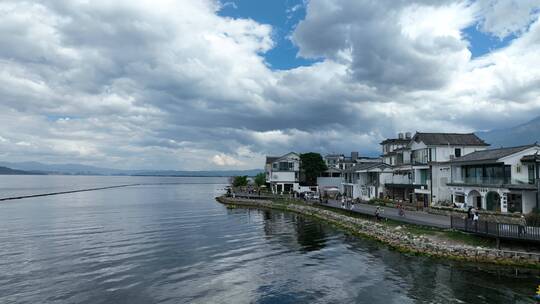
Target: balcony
{"points": [[491, 181]]}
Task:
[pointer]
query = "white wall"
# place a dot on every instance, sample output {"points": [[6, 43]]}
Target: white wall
{"points": [[325, 182], [283, 176], [440, 177], [515, 161]]}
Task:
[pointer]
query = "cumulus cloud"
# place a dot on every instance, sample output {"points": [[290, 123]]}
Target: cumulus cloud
{"points": [[225, 160], [173, 85], [503, 18]]}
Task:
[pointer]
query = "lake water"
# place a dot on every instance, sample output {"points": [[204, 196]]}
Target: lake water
{"points": [[168, 241]]}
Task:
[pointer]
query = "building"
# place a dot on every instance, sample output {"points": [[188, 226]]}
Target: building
{"points": [[430, 153], [419, 173], [502, 180], [330, 179], [364, 180], [396, 153], [283, 173], [333, 160], [371, 178]]}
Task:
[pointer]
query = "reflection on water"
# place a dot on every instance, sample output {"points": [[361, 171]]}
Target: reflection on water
{"points": [[175, 244]]}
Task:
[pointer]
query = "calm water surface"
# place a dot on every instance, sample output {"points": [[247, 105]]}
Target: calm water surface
{"points": [[170, 242]]}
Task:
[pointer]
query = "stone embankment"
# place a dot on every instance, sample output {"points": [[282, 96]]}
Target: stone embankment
{"points": [[398, 237]]}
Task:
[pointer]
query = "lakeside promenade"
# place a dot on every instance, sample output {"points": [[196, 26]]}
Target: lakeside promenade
{"points": [[410, 217]]}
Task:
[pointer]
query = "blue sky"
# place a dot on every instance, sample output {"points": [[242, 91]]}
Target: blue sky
{"points": [[284, 15], [483, 43]]}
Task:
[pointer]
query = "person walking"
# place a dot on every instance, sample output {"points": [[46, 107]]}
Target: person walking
{"points": [[522, 225], [401, 212], [476, 217], [378, 213]]}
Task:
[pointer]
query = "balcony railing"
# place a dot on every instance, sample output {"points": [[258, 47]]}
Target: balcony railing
{"points": [[490, 181]]}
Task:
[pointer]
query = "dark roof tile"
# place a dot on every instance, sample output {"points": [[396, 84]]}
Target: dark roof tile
{"points": [[455, 139], [491, 154]]}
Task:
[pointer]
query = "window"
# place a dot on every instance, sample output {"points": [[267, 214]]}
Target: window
{"points": [[457, 152], [284, 166], [518, 168], [531, 174]]}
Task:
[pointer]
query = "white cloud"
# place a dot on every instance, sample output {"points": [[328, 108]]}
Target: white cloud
{"points": [[172, 85], [225, 160], [505, 17]]}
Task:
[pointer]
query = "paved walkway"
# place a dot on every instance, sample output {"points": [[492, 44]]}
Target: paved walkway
{"points": [[411, 217]]}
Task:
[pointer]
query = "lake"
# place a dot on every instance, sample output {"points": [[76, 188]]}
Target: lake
{"points": [[168, 241]]}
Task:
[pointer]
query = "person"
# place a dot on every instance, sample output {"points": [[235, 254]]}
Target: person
{"points": [[378, 213], [476, 217], [352, 205], [401, 212], [469, 213], [522, 225]]}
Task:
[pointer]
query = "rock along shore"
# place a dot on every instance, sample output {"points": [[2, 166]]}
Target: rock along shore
{"points": [[396, 237]]}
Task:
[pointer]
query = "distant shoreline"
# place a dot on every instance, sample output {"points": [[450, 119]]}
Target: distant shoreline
{"points": [[132, 175]]}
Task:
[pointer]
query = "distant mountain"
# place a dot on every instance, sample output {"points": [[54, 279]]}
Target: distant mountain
{"points": [[77, 169], [523, 134], [60, 168], [9, 171]]}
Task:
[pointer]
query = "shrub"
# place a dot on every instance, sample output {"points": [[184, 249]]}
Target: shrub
{"points": [[533, 218], [240, 181]]}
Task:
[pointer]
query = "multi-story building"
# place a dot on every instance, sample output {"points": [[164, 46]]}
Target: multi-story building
{"points": [[419, 173], [283, 173], [395, 153], [364, 180], [430, 153], [503, 180]]}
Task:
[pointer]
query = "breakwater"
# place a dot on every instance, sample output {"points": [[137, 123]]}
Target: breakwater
{"points": [[398, 237], [64, 192]]}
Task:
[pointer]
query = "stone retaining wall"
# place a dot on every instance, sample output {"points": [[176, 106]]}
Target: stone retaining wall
{"points": [[397, 237]]}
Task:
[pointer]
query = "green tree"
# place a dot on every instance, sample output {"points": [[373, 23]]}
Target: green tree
{"points": [[240, 181], [312, 165], [260, 179]]}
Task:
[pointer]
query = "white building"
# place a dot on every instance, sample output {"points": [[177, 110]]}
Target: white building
{"points": [[366, 180], [283, 173], [330, 179], [429, 153], [372, 178], [398, 185], [503, 180]]}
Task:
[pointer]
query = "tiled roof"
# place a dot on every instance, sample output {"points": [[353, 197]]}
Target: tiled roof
{"points": [[491, 154], [271, 159], [367, 166], [531, 158], [395, 141], [455, 139]]}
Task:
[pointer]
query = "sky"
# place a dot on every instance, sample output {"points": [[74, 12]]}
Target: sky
{"points": [[207, 84]]}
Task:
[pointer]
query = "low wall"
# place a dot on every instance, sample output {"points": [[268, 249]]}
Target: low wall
{"points": [[489, 216], [397, 238]]}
